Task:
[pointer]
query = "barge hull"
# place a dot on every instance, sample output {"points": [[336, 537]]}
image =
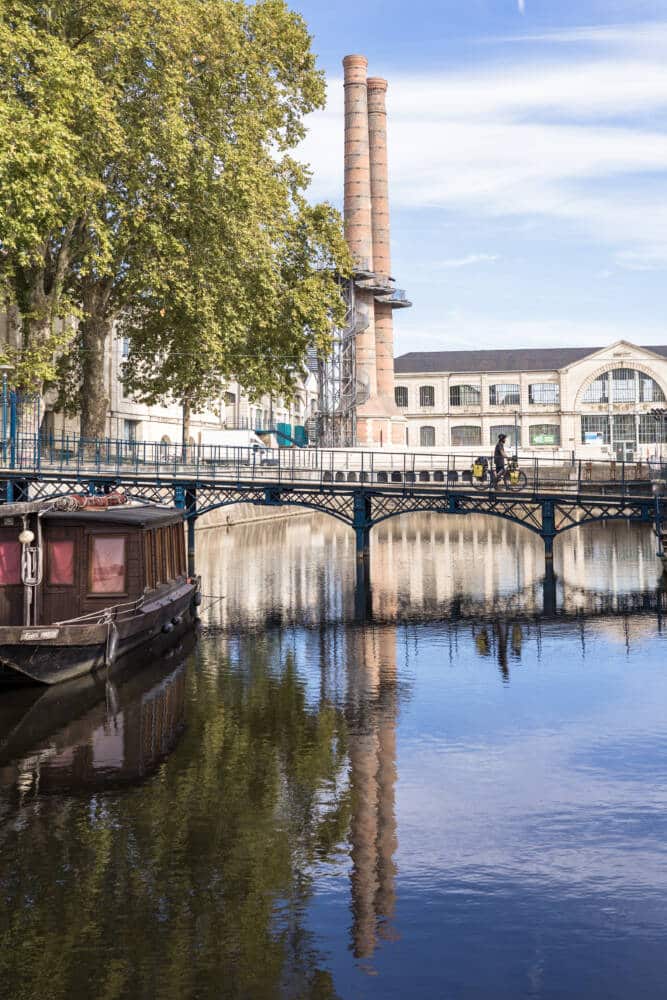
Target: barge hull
{"points": [[70, 651]]}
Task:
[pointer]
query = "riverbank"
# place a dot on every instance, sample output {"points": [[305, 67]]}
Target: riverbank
{"points": [[247, 513]]}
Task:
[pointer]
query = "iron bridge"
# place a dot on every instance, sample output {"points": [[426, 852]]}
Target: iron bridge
{"points": [[546, 512]]}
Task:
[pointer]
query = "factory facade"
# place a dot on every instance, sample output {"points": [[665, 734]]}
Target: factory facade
{"points": [[595, 403]]}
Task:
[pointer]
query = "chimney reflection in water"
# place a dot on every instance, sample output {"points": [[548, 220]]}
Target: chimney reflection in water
{"points": [[373, 713]]}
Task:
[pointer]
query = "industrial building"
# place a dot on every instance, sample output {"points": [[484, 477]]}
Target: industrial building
{"points": [[357, 404], [595, 403]]}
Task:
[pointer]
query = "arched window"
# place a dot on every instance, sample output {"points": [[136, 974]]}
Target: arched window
{"points": [[401, 395], [505, 394], [465, 395], [623, 385], [507, 430], [543, 393], [427, 437], [426, 395], [466, 435], [545, 435], [165, 445]]}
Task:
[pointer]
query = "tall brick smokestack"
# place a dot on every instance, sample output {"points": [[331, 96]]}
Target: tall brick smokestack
{"points": [[377, 143], [358, 217], [384, 323]]}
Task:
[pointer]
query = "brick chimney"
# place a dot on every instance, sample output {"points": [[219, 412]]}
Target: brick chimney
{"points": [[358, 217], [384, 322], [358, 221], [379, 422]]}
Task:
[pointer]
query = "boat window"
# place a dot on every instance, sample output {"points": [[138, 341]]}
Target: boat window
{"points": [[10, 563], [107, 565], [149, 561], [61, 564]]}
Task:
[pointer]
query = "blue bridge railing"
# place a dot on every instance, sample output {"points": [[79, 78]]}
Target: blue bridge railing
{"points": [[32, 453]]}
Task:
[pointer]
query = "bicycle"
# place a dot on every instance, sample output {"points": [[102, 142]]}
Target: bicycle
{"points": [[511, 476]]}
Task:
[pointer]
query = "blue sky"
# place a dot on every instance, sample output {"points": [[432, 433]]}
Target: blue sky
{"points": [[528, 163]]}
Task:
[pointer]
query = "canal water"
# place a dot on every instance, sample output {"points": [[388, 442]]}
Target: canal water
{"points": [[431, 788]]}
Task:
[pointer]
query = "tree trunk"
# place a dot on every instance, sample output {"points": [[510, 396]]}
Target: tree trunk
{"points": [[95, 330], [185, 430]]}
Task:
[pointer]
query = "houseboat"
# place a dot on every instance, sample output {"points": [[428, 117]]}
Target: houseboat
{"points": [[84, 581]]}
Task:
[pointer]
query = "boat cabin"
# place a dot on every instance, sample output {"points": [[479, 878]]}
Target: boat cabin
{"points": [[59, 565]]}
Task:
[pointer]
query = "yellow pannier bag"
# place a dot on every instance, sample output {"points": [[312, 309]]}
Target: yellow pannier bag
{"points": [[478, 470], [514, 476]]}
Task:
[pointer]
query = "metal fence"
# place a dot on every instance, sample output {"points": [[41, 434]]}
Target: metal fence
{"points": [[25, 453]]}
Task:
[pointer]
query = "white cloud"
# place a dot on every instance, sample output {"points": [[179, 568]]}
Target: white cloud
{"points": [[646, 33], [469, 261], [566, 141], [652, 258]]}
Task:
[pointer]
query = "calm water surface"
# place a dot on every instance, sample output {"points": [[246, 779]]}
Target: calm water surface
{"points": [[430, 789]]}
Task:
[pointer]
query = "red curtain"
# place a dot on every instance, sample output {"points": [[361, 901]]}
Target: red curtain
{"points": [[108, 566], [10, 563], [61, 563]]}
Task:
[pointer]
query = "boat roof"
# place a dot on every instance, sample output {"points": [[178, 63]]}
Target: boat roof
{"points": [[138, 517]]}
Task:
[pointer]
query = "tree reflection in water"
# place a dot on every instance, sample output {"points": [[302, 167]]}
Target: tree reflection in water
{"points": [[174, 836], [195, 882]]}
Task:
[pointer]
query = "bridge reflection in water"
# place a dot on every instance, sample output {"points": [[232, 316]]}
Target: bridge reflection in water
{"points": [[302, 571]]}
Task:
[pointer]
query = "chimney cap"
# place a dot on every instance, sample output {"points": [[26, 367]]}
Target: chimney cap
{"points": [[377, 83], [355, 60]]}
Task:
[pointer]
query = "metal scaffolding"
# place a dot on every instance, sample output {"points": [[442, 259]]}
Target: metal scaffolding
{"points": [[339, 393]]}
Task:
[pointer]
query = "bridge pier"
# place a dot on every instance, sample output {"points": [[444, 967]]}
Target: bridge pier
{"points": [[548, 532], [362, 530], [363, 606], [191, 507], [549, 604]]}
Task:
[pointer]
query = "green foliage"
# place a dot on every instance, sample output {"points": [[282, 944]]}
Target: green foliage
{"points": [[145, 172]]}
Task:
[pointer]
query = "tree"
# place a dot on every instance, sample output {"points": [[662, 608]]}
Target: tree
{"points": [[165, 194], [56, 127], [254, 285]]}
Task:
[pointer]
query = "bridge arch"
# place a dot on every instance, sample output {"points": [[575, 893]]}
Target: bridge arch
{"points": [[201, 511], [456, 513]]}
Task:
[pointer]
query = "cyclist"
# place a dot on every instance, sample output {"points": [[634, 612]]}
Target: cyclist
{"points": [[500, 457]]}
